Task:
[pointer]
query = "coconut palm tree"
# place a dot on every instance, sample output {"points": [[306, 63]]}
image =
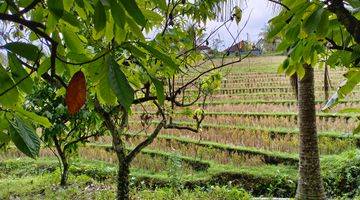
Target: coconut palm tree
{"points": [[310, 185]]}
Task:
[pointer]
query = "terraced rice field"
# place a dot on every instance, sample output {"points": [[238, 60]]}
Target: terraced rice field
{"points": [[251, 121], [249, 133]]}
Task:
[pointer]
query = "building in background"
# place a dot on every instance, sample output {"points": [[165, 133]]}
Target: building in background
{"points": [[243, 47]]}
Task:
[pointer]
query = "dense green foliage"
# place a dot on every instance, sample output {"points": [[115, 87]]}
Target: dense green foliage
{"points": [[96, 178], [320, 33], [342, 174], [106, 41]]}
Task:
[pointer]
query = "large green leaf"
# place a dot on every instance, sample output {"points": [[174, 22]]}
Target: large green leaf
{"points": [[99, 16], [24, 137], [72, 41], [80, 3], [44, 66], [135, 29], [353, 78], [159, 55], [275, 29], [300, 71], [8, 97], [34, 117], [118, 13], [99, 76], [18, 73], [160, 93], [312, 22], [119, 84], [161, 4], [70, 19], [105, 93], [350, 84], [134, 11], [25, 50], [323, 26], [56, 7], [284, 65], [68, 4], [97, 70], [134, 50]]}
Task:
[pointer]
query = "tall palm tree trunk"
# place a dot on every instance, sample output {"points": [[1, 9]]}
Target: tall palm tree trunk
{"points": [[310, 185], [294, 84]]}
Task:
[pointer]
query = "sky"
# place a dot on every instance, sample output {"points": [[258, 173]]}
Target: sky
{"points": [[259, 11]]}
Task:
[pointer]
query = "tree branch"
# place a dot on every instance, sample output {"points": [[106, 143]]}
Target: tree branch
{"points": [[45, 76], [30, 24], [118, 144], [338, 47], [80, 139], [146, 142], [208, 71], [34, 26], [16, 84], [29, 7], [178, 127]]}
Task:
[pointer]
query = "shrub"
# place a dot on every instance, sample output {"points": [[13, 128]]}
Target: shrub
{"points": [[342, 174], [212, 193]]}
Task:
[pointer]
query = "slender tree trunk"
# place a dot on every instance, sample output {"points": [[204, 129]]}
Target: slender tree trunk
{"points": [[65, 172], [119, 148], [310, 185], [123, 181], [326, 82], [64, 163]]}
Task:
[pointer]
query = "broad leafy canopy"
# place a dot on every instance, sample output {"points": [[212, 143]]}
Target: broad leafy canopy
{"points": [[312, 33], [105, 39]]}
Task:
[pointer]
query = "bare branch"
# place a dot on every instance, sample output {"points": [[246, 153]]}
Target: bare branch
{"points": [[205, 72], [80, 139], [85, 62], [146, 142], [194, 48], [178, 127]]}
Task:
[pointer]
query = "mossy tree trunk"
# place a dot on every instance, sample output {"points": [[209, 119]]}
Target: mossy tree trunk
{"points": [[65, 172], [123, 181], [119, 148], [310, 185]]}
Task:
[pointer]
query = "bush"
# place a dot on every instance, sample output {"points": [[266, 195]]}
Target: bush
{"points": [[342, 174], [212, 193], [226, 193]]}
